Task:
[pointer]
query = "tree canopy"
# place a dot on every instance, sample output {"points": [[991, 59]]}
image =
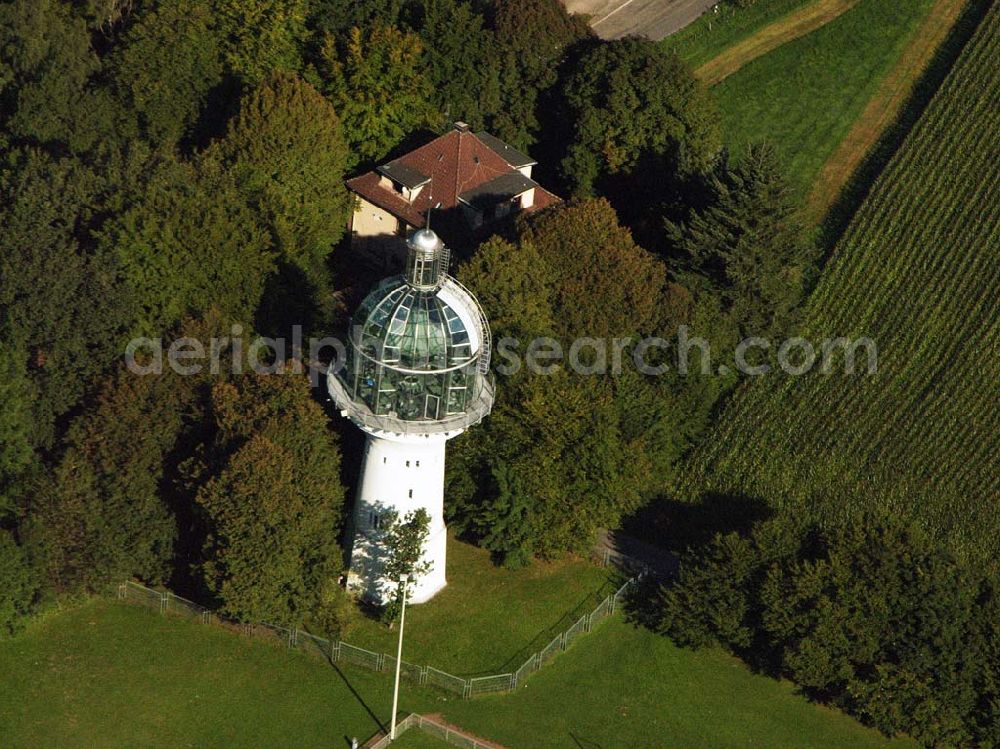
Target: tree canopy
{"points": [[634, 109]]}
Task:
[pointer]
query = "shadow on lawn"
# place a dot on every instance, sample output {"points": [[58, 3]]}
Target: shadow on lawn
{"points": [[361, 701]]}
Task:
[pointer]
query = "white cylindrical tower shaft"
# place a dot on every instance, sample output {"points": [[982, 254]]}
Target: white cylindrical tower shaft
{"points": [[399, 474]]}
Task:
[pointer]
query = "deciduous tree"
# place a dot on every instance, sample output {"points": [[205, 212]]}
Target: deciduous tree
{"points": [[636, 112], [272, 502], [166, 65], [376, 81]]}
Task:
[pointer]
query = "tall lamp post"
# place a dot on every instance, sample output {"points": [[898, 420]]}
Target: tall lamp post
{"points": [[399, 659]]}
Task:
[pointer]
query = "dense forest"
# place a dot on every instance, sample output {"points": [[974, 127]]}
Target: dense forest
{"points": [[175, 168]]}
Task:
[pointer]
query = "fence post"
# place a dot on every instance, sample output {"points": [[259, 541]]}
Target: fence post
{"points": [[164, 601], [513, 682], [562, 641]]}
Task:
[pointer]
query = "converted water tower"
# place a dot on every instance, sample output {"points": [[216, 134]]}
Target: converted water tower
{"points": [[416, 375]]}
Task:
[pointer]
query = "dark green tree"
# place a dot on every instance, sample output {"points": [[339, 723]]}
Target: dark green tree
{"points": [[48, 70], [16, 453], [261, 36], [377, 82], [747, 248], [189, 244], [638, 118], [166, 65], [532, 39], [272, 501], [102, 515], [603, 284], [461, 60], [287, 154], [61, 299], [562, 454], [19, 586], [876, 617], [338, 17]]}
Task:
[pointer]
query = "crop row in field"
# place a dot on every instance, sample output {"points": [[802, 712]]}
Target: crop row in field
{"points": [[918, 271]]}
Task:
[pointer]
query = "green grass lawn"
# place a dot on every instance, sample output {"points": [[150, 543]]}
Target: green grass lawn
{"points": [[627, 687], [489, 620], [106, 674], [713, 32], [113, 675], [805, 95]]}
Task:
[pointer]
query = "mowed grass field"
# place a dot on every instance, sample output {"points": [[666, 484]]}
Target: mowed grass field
{"points": [[917, 272], [107, 674], [489, 620], [805, 95], [713, 33]]}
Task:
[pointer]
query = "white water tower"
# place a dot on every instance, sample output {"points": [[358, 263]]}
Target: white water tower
{"points": [[416, 375]]}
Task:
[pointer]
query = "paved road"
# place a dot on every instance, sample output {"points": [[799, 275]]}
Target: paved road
{"points": [[655, 19]]}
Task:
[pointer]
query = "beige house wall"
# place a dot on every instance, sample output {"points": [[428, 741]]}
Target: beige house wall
{"points": [[377, 232]]}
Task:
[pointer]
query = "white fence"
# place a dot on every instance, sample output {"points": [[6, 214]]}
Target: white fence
{"points": [[338, 651]]}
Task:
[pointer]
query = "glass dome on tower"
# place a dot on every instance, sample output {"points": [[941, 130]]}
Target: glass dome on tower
{"points": [[418, 356]]}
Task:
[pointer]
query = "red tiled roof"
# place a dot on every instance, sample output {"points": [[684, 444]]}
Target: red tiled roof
{"points": [[456, 162]]}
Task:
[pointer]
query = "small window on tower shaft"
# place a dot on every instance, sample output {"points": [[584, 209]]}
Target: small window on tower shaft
{"points": [[411, 493], [418, 464], [407, 464]]}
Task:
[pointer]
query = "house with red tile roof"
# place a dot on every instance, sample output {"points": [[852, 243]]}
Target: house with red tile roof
{"points": [[468, 182]]}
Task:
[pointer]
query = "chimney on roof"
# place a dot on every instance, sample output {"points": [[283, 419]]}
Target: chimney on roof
{"points": [[462, 127]]}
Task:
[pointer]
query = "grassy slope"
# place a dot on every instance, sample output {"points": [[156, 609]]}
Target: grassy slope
{"points": [[627, 687], [112, 675], [713, 33], [489, 620], [805, 95], [799, 23], [918, 271]]}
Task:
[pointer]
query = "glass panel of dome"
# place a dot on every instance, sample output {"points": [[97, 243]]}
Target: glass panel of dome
{"points": [[410, 398]]}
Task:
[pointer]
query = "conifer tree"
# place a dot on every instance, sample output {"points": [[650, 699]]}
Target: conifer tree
{"points": [[748, 247]]}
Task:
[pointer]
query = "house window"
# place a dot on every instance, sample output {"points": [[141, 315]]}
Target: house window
{"points": [[374, 519]]}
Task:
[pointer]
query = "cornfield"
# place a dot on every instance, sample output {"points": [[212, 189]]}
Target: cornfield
{"points": [[917, 271]]}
